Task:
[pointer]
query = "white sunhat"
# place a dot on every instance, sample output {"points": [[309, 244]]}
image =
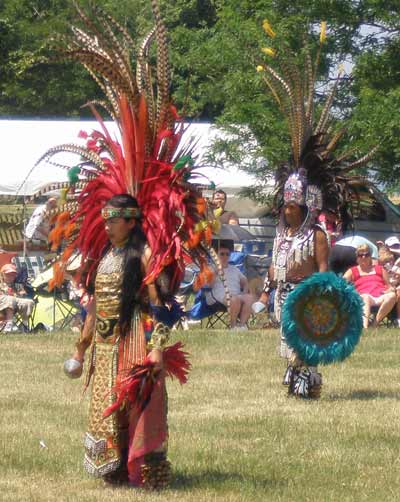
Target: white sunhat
{"points": [[393, 243]]}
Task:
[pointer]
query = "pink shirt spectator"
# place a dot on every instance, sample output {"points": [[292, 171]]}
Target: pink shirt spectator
{"points": [[371, 284]]}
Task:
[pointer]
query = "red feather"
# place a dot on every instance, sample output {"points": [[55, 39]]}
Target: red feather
{"points": [[138, 386]]}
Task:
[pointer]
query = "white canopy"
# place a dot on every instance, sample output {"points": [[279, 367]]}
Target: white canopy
{"points": [[23, 142]]}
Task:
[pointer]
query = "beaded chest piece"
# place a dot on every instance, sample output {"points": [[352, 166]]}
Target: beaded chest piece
{"points": [[291, 250]]}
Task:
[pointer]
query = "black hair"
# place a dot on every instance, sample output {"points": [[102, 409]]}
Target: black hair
{"points": [[217, 244], [221, 192], [132, 267]]}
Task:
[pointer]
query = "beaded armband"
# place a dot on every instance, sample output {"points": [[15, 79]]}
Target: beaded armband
{"points": [[268, 286], [159, 337]]}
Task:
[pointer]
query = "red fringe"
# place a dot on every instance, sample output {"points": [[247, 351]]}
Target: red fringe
{"points": [[137, 387]]}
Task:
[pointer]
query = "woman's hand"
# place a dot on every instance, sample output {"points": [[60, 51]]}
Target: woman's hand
{"points": [[156, 357]]}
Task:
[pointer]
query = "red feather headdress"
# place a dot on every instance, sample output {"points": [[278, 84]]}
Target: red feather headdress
{"points": [[146, 162]]}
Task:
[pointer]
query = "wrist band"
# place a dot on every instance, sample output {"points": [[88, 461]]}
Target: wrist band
{"points": [[159, 337], [268, 286]]}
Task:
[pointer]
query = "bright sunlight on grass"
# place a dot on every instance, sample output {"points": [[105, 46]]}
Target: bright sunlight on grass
{"points": [[234, 435]]}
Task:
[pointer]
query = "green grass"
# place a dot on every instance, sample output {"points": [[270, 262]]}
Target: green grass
{"points": [[234, 435]]}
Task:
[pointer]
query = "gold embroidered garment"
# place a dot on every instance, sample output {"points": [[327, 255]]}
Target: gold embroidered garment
{"points": [[106, 439]]}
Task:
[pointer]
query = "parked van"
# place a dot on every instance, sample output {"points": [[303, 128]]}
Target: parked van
{"points": [[376, 217]]}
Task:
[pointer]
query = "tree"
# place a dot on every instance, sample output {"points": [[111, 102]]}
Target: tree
{"points": [[215, 47], [26, 87], [365, 34]]}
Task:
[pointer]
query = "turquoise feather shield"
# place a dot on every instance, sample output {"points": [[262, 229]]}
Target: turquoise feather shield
{"points": [[322, 319]]}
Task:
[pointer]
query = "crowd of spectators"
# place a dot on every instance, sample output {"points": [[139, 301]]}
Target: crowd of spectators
{"points": [[373, 268]]}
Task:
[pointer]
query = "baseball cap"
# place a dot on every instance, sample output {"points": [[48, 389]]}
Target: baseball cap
{"points": [[8, 268]]}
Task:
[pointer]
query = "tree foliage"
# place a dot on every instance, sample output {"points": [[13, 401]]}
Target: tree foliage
{"points": [[215, 47]]}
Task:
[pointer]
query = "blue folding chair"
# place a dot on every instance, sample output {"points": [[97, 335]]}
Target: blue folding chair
{"points": [[214, 313]]}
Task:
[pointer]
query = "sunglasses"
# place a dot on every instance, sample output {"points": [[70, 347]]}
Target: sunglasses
{"points": [[363, 255], [224, 253]]}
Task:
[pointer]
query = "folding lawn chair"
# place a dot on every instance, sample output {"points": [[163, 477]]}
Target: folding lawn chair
{"points": [[52, 308], [213, 314], [390, 321]]}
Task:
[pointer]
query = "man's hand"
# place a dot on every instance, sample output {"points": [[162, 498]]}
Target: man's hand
{"points": [[264, 297]]}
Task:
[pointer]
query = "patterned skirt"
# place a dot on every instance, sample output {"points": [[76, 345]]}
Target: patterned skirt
{"points": [[122, 446]]}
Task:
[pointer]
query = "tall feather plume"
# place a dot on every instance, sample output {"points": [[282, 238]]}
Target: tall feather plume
{"points": [[147, 162], [361, 161], [291, 81], [163, 71], [309, 86], [327, 107], [144, 83]]}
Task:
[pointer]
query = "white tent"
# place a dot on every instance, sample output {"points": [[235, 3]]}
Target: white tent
{"points": [[23, 142]]}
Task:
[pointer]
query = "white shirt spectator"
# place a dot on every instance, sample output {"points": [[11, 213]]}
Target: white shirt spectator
{"points": [[31, 231], [38, 226], [233, 276]]}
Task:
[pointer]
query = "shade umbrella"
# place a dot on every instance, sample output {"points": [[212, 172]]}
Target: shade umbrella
{"points": [[233, 233]]}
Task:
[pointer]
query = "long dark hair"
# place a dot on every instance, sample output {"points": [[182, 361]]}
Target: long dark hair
{"points": [[132, 271]]}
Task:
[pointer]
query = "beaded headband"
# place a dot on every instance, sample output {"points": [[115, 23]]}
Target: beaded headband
{"points": [[119, 212], [294, 190]]}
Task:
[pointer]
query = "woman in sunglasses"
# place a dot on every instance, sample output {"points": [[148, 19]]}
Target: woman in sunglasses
{"points": [[372, 283]]}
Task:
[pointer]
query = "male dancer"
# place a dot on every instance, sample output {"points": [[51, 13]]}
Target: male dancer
{"points": [[300, 249]]}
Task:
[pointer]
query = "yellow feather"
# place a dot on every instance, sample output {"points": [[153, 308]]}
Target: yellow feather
{"points": [[269, 51], [322, 35], [267, 28]]}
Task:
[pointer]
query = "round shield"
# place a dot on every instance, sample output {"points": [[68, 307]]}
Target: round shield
{"points": [[322, 319]]}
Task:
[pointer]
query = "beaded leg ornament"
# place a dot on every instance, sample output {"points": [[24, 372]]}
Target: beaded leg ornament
{"points": [[156, 471], [303, 382]]}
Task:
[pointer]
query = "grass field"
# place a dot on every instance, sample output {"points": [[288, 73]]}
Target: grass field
{"points": [[234, 435]]}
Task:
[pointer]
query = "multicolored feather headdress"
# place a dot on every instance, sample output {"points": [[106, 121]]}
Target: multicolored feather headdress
{"points": [[291, 80], [147, 161]]}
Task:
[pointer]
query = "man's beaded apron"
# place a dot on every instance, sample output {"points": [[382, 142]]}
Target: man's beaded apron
{"points": [[287, 252]]}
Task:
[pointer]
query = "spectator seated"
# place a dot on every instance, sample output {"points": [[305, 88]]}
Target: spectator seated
{"points": [[14, 300], [235, 283], [372, 283], [388, 258]]}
